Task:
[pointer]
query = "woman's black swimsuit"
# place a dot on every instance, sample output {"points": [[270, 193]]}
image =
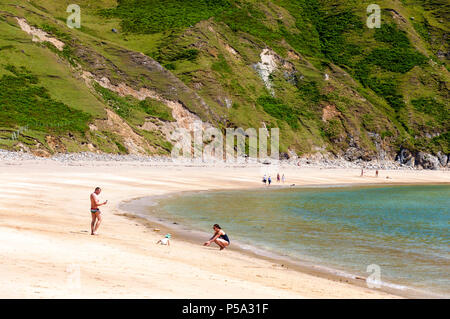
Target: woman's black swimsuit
{"points": [[225, 237]]}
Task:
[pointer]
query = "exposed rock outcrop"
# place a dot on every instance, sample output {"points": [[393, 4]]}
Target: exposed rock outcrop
{"points": [[427, 161], [134, 143], [443, 159], [39, 35], [422, 160], [405, 157], [270, 62]]}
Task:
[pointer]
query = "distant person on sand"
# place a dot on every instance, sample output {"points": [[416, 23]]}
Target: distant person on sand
{"points": [[264, 179], [362, 172], [269, 180], [219, 237], [376, 173], [283, 178], [95, 210], [278, 177]]}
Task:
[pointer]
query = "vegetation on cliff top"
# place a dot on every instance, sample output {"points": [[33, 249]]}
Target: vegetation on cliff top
{"points": [[387, 85]]}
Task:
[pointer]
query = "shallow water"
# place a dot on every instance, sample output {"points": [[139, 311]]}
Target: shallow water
{"points": [[402, 229]]}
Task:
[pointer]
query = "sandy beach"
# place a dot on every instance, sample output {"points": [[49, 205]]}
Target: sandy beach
{"points": [[47, 250]]}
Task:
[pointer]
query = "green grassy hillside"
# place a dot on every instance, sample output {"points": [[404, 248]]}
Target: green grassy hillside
{"points": [[337, 85]]}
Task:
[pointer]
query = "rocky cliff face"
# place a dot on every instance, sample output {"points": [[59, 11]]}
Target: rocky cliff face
{"points": [[422, 160], [137, 70]]}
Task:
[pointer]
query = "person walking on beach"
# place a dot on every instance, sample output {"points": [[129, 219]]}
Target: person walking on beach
{"points": [[362, 172], [283, 178], [95, 210], [264, 179], [278, 177], [269, 180], [376, 173], [219, 237]]}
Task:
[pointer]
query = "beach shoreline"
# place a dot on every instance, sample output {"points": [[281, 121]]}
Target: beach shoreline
{"points": [[48, 232], [142, 210]]}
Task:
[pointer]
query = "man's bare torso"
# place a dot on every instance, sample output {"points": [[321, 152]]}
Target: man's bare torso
{"points": [[94, 201]]}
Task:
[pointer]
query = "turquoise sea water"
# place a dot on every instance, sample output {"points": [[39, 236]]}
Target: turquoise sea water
{"points": [[402, 229]]}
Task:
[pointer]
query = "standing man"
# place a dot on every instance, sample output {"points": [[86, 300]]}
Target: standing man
{"points": [[95, 211]]}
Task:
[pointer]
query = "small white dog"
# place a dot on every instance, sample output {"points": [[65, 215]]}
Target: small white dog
{"points": [[165, 240]]}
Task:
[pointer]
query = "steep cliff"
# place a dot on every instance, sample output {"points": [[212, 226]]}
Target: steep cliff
{"points": [[136, 70]]}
